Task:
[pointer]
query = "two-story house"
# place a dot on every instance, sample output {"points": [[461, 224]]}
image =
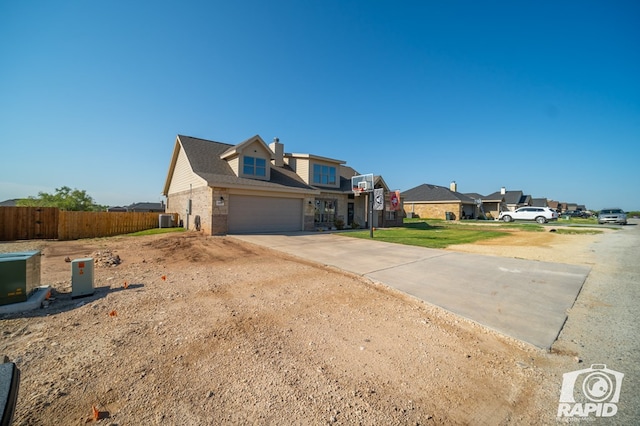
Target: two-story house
{"points": [[254, 187]]}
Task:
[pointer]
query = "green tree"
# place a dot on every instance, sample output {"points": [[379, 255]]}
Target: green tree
{"points": [[64, 198]]}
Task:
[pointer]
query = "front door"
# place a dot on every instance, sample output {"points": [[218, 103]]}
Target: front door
{"points": [[350, 213]]}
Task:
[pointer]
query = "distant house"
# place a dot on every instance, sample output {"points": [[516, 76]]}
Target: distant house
{"points": [[510, 200], [572, 206], [116, 209], [250, 187], [147, 207], [9, 203], [539, 202], [139, 207], [433, 202], [554, 205]]}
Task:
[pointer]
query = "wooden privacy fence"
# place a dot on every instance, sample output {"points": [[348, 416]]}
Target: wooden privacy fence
{"points": [[28, 223], [23, 223], [75, 225]]}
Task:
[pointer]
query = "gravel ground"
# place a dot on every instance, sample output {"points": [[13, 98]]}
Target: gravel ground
{"points": [[192, 330], [603, 324]]}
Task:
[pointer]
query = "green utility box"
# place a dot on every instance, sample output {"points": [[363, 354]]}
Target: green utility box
{"points": [[19, 276]]}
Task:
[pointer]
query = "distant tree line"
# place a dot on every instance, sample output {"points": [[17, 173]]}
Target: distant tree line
{"points": [[64, 198]]}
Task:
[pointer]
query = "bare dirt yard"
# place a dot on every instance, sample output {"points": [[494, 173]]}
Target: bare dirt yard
{"points": [[195, 330]]}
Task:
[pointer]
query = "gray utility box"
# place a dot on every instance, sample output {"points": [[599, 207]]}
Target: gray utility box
{"points": [[19, 276], [82, 277]]}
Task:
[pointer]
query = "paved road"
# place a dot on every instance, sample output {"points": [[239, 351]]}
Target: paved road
{"points": [[603, 326], [527, 300]]}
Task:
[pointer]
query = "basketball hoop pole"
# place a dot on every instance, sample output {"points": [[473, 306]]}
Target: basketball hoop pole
{"points": [[364, 184], [369, 194]]}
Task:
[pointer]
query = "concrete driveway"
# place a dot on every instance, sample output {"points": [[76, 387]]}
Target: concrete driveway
{"points": [[524, 299]]}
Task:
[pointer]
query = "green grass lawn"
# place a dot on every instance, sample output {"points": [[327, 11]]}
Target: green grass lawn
{"points": [[578, 220], [155, 231], [577, 231], [438, 235]]}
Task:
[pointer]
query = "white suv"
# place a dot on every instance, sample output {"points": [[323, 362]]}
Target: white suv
{"points": [[539, 214]]}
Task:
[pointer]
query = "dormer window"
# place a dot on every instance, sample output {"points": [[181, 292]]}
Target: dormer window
{"points": [[253, 166], [324, 175]]}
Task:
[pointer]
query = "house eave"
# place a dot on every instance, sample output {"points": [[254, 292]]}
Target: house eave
{"points": [[172, 166], [315, 157], [265, 188]]}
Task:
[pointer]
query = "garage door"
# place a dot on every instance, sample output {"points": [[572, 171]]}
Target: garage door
{"points": [[264, 214]]}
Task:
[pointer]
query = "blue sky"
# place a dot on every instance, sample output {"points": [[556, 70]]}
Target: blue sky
{"points": [[538, 96]]}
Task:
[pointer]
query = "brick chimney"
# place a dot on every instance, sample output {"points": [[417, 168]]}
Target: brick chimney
{"points": [[278, 150]]}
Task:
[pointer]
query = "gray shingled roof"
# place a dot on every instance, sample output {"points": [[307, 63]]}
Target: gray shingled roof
{"points": [[510, 197], [10, 203], [539, 202], [426, 192], [144, 206], [474, 195], [204, 157]]}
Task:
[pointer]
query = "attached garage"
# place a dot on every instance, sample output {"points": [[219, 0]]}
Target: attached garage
{"points": [[248, 214]]}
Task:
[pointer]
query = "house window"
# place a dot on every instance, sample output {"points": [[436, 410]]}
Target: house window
{"points": [[325, 212], [254, 166], [324, 175]]}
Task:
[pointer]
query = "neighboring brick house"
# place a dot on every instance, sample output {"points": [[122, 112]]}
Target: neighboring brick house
{"points": [[539, 202], [511, 200], [251, 187], [433, 202], [554, 205]]}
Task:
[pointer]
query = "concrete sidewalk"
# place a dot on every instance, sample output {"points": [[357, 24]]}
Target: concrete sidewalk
{"points": [[524, 299]]}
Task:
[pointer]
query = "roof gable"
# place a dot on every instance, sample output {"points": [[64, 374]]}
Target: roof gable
{"points": [[378, 182], [245, 145]]}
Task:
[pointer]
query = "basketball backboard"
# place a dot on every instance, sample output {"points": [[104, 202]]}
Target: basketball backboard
{"points": [[362, 183]]}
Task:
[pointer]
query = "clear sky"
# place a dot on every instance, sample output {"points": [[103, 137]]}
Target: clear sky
{"points": [[538, 96]]}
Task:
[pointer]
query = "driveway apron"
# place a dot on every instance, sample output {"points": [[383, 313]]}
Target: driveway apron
{"points": [[524, 299]]}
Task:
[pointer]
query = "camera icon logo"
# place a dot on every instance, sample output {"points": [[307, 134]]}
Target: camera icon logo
{"points": [[591, 391]]}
